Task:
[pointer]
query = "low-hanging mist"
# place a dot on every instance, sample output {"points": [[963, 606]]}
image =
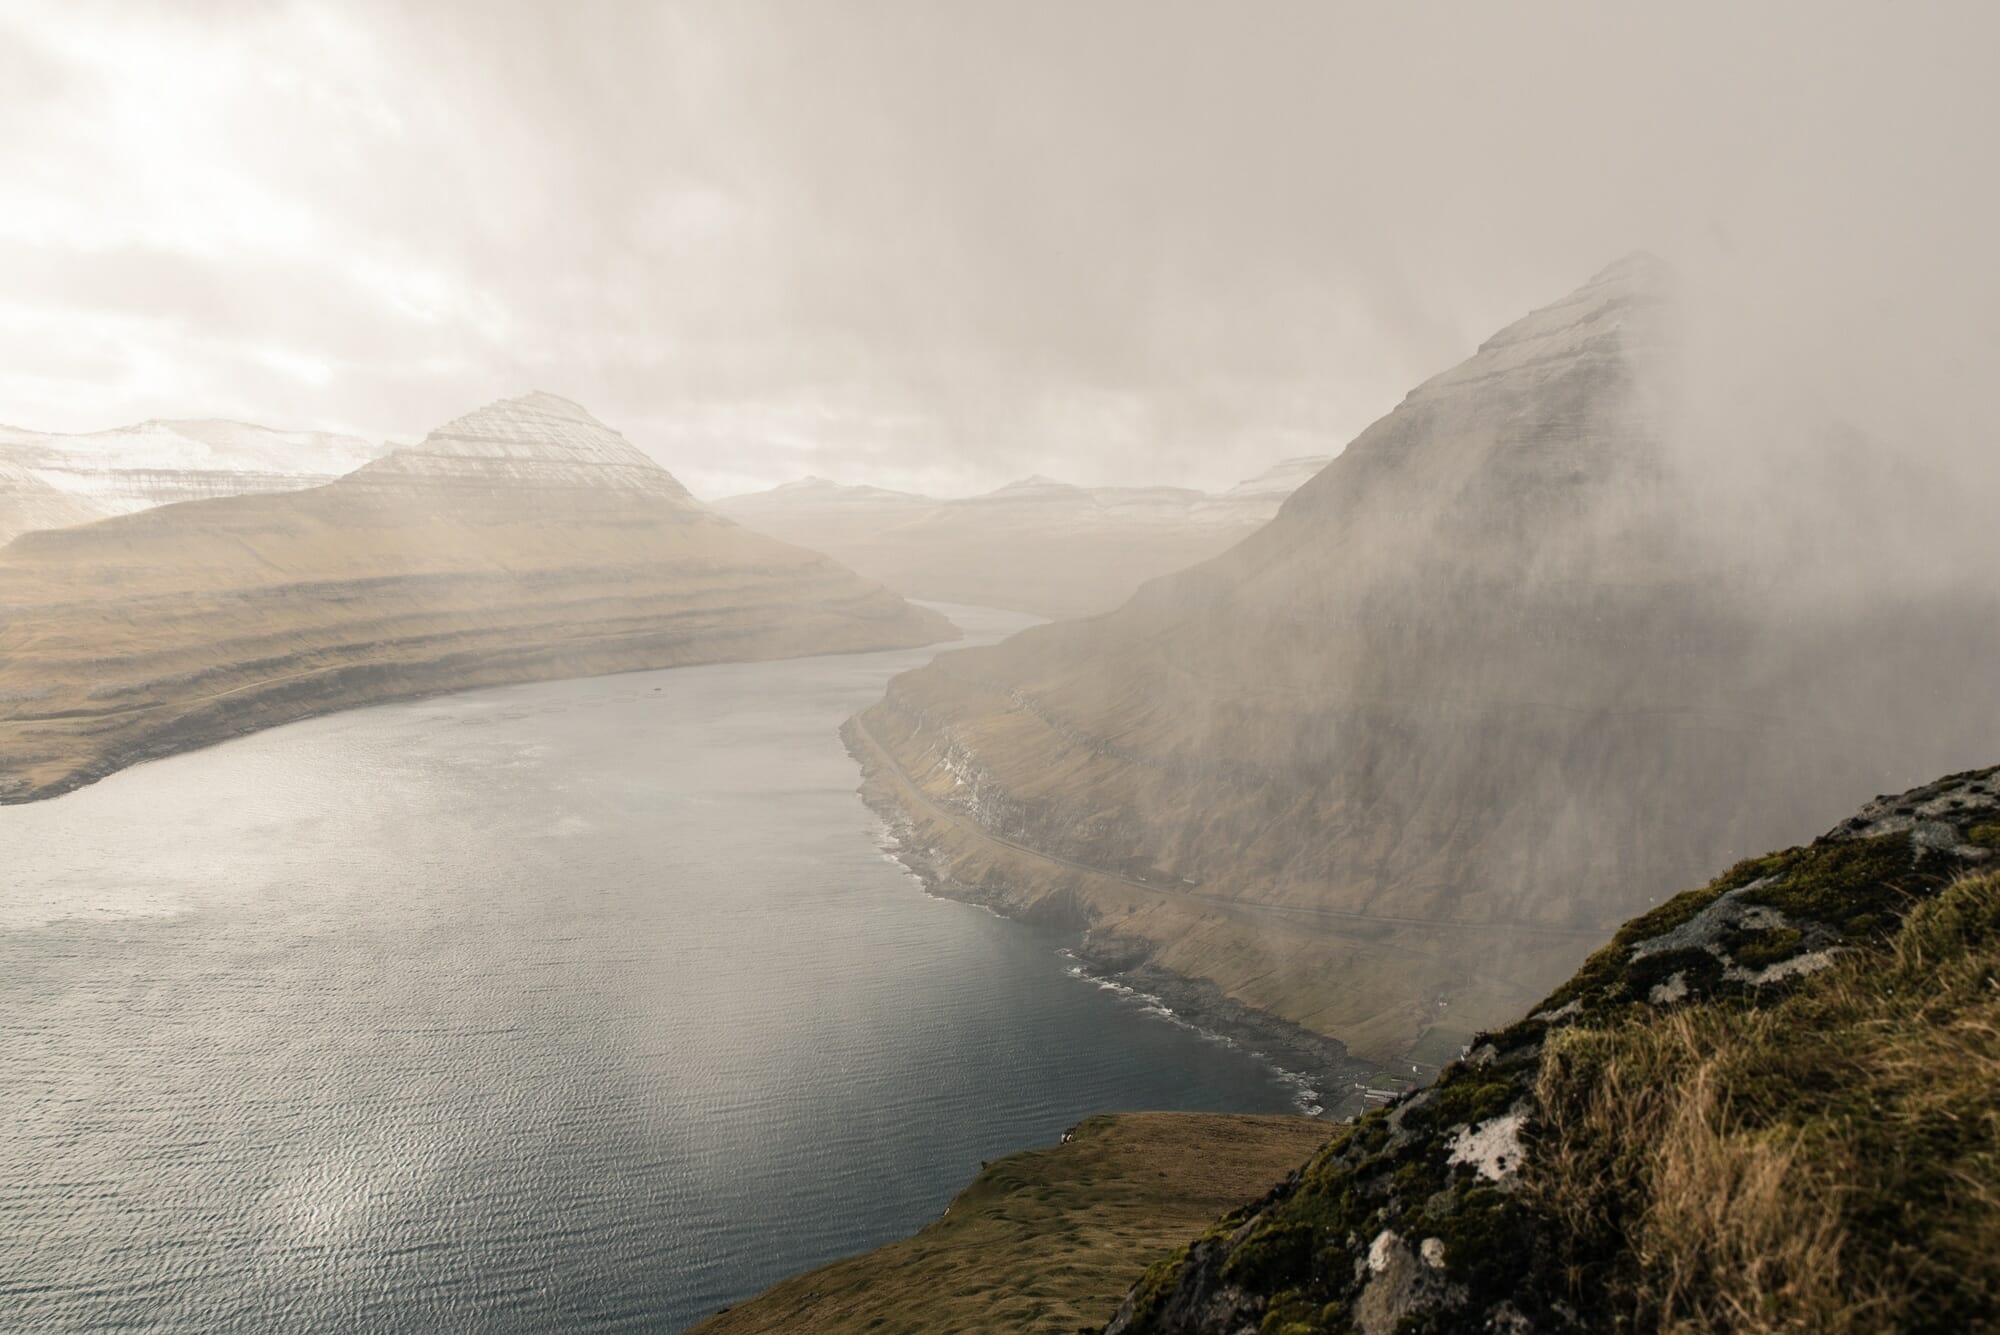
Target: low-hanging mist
{"points": [[1520, 660]]}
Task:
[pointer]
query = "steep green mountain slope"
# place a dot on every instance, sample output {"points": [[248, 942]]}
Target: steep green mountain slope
{"points": [[1491, 682], [1770, 1104], [1045, 1240]]}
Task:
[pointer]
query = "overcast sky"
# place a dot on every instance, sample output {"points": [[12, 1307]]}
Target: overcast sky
{"points": [[940, 245]]}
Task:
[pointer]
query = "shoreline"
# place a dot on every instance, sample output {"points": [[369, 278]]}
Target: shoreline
{"points": [[261, 705], [1328, 1079]]}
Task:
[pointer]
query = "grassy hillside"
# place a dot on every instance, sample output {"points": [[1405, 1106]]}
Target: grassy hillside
{"points": [[1768, 1105], [1047, 1240], [523, 542]]}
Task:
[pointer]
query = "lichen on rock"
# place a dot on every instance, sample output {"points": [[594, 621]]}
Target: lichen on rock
{"points": [[1500, 1199]]}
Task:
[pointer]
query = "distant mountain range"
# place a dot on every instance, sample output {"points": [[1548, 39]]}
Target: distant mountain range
{"points": [[1036, 545], [1484, 686], [48, 480], [520, 542]]}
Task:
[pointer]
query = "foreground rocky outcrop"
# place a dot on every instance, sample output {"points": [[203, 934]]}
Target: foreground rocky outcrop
{"points": [[1768, 1104], [1045, 1240], [1492, 681], [521, 542], [1036, 545]]}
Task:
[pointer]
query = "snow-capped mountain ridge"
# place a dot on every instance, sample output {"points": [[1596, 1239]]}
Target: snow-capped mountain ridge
{"points": [[53, 479]]}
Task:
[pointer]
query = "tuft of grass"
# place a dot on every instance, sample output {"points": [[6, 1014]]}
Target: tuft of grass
{"points": [[1830, 1162]]}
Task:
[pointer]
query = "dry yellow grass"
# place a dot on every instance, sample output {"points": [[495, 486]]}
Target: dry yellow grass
{"points": [[1047, 1240], [1827, 1163]]}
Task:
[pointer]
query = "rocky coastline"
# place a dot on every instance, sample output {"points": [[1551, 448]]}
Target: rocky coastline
{"points": [[1333, 1083]]}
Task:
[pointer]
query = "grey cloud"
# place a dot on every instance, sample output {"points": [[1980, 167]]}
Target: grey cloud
{"points": [[944, 245]]}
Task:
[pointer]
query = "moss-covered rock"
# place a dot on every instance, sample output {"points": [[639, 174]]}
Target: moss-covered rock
{"points": [[1767, 1104]]}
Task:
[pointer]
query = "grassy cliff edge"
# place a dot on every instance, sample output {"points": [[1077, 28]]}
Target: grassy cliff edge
{"points": [[1045, 1240]]}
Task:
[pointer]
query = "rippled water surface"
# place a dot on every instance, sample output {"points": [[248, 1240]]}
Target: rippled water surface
{"points": [[591, 1005]]}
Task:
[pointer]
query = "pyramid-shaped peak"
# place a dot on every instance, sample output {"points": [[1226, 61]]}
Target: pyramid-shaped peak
{"points": [[1617, 315], [541, 401], [534, 440], [527, 416], [1634, 282], [1641, 270]]}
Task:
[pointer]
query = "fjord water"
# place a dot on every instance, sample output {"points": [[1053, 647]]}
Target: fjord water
{"points": [[588, 1005]]}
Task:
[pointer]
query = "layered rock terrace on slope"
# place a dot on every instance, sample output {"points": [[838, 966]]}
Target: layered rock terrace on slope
{"points": [[524, 541]]}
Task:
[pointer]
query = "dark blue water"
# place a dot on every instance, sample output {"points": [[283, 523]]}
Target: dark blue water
{"points": [[584, 1006]]}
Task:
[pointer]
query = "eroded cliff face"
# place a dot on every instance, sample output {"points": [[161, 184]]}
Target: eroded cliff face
{"points": [[1481, 689], [525, 541]]}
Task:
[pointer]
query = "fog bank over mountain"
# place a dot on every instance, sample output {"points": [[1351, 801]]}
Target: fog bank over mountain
{"points": [[938, 248], [1509, 668]]}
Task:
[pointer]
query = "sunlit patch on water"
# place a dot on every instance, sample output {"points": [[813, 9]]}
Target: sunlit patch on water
{"points": [[337, 1028]]}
